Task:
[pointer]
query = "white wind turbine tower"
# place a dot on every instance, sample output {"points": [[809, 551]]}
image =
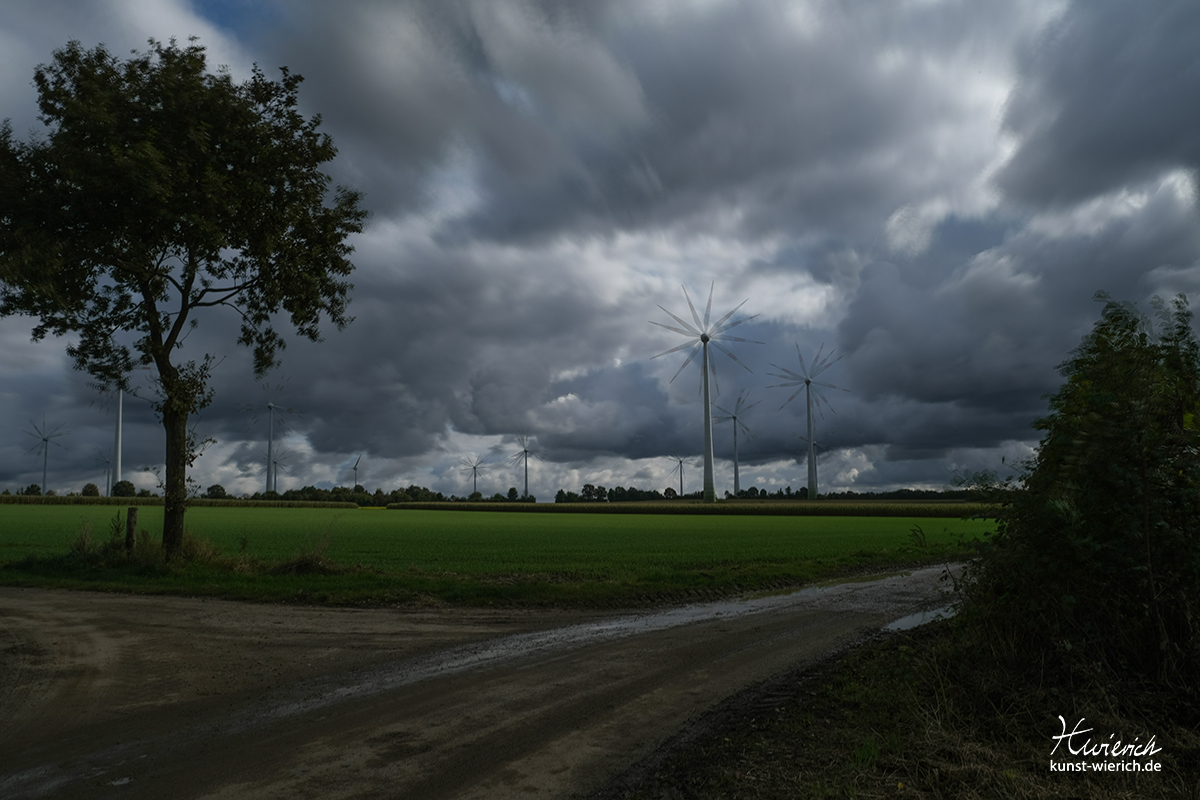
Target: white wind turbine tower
{"points": [[740, 407], [45, 437], [680, 462], [806, 380], [279, 462], [522, 456], [703, 334], [271, 408], [810, 447], [355, 468], [120, 394], [472, 463], [103, 459]]}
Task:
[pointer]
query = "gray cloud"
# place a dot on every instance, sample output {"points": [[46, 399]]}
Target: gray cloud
{"points": [[933, 189], [1107, 98]]}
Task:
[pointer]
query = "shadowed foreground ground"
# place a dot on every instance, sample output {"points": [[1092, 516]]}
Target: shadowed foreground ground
{"points": [[126, 696]]}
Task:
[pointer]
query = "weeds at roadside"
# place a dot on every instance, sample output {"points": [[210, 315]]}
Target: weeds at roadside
{"points": [[924, 713]]}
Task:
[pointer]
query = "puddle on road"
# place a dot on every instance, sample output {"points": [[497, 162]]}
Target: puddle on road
{"points": [[875, 595], [920, 618]]}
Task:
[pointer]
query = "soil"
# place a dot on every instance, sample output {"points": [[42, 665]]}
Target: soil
{"points": [[146, 697]]}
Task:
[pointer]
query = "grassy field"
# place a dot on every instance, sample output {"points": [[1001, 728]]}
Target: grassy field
{"points": [[378, 556]]}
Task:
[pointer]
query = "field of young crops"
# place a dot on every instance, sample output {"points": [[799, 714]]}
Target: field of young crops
{"points": [[376, 555], [477, 542]]}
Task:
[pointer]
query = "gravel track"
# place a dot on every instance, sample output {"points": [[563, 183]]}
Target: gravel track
{"points": [[146, 697]]}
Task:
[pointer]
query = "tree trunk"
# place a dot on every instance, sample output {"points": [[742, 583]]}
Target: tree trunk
{"points": [[175, 497]]}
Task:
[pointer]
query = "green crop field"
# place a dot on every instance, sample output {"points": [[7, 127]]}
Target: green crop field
{"points": [[480, 557]]}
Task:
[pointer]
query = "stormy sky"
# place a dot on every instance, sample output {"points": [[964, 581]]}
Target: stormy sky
{"points": [[932, 189]]}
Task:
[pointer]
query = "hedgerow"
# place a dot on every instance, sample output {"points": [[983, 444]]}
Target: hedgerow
{"points": [[815, 509]]}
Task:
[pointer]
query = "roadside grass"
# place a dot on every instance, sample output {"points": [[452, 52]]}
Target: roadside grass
{"points": [[924, 713], [363, 556]]}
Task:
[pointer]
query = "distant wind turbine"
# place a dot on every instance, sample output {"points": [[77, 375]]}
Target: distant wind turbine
{"points": [[355, 468], [117, 443], [740, 407], [45, 437], [806, 380], [701, 335], [809, 449], [522, 456], [103, 459], [279, 462], [472, 463], [271, 409], [680, 462]]}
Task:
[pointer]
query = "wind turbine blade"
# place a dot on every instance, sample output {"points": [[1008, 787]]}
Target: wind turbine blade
{"points": [[717, 325], [691, 357], [673, 328], [725, 350], [676, 349], [826, 364], [691, 331], [829, 386], [823, 399], [708, 308], [804, 368], [817, 357], [735, 323], [695, 316], [787, 376], [790, 399], [724, 338]]}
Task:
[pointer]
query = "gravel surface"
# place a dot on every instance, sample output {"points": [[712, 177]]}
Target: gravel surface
{"points": [[147, 697]]}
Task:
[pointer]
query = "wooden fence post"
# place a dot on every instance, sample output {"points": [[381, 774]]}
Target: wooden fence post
{"points": [[130, 528]]}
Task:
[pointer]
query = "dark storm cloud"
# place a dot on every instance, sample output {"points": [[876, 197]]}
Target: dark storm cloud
{"points": [[1107, 97], [934, 189], [987, 330], [791, 131]]}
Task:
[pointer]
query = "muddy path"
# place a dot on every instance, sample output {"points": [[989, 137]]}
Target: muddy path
{"points": [[147, 697]]}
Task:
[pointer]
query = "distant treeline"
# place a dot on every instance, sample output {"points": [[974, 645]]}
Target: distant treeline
{"points": [[419, 494], [598, 494], [360, 496]]}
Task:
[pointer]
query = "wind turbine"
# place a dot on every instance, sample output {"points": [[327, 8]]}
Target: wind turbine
{"points": [[523, 455], [271, 408], [355, 468], [810, 451], [120, 394], [806, 380], [103, 459], [279, 462], [740, 407], [680, 461], [473, 462], [45, 437], [702, 334]]}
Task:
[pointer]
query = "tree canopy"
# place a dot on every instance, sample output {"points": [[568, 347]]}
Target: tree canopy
{"points": [[158, 190], [1099, 552]]}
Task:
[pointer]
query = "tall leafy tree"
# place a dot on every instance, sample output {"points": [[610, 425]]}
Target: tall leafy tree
{"points": [[159, 190], [1100, 552]]}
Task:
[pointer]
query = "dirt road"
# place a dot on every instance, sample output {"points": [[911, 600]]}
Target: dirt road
{"points": [[148, 697]]}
